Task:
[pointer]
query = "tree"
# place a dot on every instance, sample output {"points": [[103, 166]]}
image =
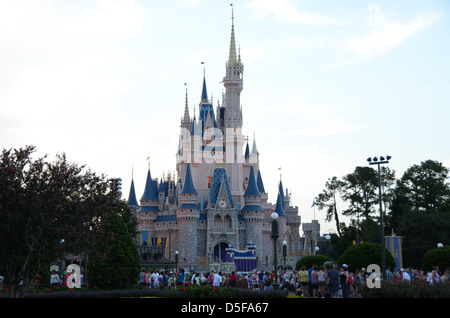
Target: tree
{"points": [[128, 217], [327, 200], [47, 209], [113, 259], [424, 187], [421, 232], [360, 190], [362, 255]]}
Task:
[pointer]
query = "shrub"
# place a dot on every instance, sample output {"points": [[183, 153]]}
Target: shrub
{"points": [[310, 260], [362, 255], [417, 289], [439, 256]]}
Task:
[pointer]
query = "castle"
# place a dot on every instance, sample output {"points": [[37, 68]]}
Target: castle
{"points": [[219, 201]]}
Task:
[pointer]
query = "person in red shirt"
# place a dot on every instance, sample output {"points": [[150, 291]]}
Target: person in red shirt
{"points": [[233, 278]]}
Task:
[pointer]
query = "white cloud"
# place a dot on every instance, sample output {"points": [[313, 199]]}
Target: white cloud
{"points": [[286, 10], [384, 34]]}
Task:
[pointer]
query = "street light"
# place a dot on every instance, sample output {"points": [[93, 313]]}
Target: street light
{"points": [[328, 238], [374, 161], [176, 261], [284, 253], [274, 217]]}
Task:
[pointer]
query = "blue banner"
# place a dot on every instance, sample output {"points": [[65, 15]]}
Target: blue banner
{"points": [[394, 245]]}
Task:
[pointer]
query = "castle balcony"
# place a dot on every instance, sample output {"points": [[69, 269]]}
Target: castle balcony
{"points": [[220, 231]]}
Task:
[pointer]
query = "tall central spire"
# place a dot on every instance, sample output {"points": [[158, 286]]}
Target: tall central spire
{"points": [[232, 56], [186, 117], [233, 82]]}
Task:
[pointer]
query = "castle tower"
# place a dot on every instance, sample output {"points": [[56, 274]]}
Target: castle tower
{"points": [[149, 200], [253, 213], [233, 82], [188, 213], [232, 118]]}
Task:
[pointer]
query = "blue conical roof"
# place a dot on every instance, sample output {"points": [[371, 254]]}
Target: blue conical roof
{"points": [[260, 183], [150, 192], [247, 152], [252, 188], [188, 185], [204, 92], [279, 206], [132, 196], [280, 190], [195, 129]]}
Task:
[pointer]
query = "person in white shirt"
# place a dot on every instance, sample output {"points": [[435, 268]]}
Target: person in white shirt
{"points": [[217, 279], [405, 276], [155, 277]]}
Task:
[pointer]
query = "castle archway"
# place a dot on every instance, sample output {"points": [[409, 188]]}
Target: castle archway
{"points": [[219, 253]]}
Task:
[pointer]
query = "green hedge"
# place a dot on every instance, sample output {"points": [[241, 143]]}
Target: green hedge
{"points": [[439, 256], [417, 289]]}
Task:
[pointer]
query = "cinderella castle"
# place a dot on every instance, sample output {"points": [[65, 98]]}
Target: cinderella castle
{"points": [[216, 210]]}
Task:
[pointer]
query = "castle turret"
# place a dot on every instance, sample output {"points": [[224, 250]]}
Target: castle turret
{"points": [[132, 202], [188, 213], [279, 209], [253, 213], [149, 200]]}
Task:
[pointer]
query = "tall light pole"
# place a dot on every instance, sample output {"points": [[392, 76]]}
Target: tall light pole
{"points": [[328, 238], [274, 217], [284, 253], [374, 161]]}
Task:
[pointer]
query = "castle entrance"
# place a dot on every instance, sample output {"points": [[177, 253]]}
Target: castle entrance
{"points": [[219, 252]]}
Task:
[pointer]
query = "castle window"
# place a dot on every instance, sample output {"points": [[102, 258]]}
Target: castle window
{"points": [[209, 182], [228, 222]]}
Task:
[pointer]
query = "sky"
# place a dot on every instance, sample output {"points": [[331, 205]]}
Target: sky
{"points": [[327, 84]]}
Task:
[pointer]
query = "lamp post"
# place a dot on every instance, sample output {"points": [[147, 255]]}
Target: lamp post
{"points": [[176, 261], [284, 253], [316, 250], [374, 161], [328, 238], [274, 217]]}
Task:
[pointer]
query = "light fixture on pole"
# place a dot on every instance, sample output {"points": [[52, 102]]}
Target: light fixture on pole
{"points": [[176, 261], [328, 238], [274, 217], [374, 161], [284, 253]]}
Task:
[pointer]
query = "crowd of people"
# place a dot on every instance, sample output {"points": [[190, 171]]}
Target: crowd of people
{"points": [[331, 281], [336, 282], [314, 282]]}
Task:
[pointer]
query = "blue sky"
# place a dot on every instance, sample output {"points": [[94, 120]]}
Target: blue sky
{"points": [[326, 83]]}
